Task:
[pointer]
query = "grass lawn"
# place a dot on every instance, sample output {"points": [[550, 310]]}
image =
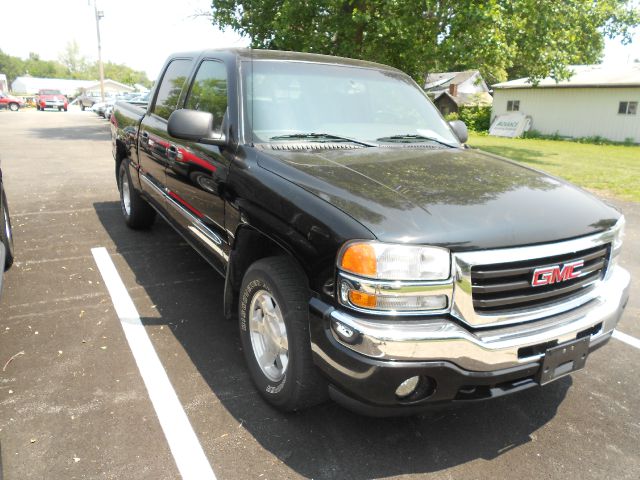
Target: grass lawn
{"points": [[609, 170]]}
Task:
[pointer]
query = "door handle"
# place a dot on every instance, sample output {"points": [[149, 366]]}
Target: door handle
{"points": [[174, 153]]}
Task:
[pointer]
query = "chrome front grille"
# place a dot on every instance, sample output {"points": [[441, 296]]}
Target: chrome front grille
{"points": [[504, 287], [493, 287]]}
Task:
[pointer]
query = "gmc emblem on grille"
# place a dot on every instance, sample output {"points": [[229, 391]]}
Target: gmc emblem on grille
{"points": [[556, 273]]}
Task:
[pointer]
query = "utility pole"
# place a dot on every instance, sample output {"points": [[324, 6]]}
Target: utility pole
{"points": [[99, 15]]}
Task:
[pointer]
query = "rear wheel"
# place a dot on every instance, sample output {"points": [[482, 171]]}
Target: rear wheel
{"points": [[138, 214], [82, 107], [274, 330], [6, 234], [14, 107], [59, 109]]}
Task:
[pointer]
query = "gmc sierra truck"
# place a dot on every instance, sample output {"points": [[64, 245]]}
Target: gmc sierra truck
{"points": [[369, 256]]}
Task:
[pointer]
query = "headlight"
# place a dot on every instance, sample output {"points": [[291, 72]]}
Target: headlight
{"points": [[388, 278], [619, 236], [395, 262]]}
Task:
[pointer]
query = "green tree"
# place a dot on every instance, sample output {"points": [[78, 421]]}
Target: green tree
{"points": [[70, 65], [503, 38], [75, 63], [12, 67]]}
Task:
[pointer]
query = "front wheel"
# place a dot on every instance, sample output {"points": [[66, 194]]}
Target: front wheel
{"points": [[14, 107], [274, 331], [138, 214]]}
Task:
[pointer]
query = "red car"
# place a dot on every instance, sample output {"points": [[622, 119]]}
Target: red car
{"points": [[12, 103], [51, 99]]}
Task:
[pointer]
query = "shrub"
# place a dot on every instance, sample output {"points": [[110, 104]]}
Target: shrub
{"points": [[477, 117]]}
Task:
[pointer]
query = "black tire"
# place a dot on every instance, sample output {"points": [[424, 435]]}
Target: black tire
{"points": [[138, 214], [38, 107], [14, 107], [301, 385], [59, 109], [6, 234], [82, 107]]}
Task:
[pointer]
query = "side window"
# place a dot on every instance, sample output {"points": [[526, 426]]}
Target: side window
{"points": [[172, 83], [628, 108], [513, 106], [209, 91]]}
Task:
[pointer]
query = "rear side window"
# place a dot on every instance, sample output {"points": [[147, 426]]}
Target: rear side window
{"points": [[209, 91], [171, 87]]}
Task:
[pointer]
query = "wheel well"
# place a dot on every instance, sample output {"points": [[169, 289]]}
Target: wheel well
{"points": [[118, 163], [120, 156], [250, 245]]}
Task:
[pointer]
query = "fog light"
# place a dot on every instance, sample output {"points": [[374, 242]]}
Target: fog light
{"points": [[407, 387], [345, 333]]}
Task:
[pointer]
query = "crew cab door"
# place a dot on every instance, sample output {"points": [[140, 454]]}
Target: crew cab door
{"points": [[152, 139], [196, 172]]}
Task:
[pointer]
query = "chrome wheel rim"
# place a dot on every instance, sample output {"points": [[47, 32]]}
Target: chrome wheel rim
{"points": [[126, 194], [268, 334]]}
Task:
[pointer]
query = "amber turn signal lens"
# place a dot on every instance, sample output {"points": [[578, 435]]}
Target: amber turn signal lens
{"points": [[361, 299], [360, 258]]}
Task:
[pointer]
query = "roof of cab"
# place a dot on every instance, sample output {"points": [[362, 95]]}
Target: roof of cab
{"points": [[261, 54]]}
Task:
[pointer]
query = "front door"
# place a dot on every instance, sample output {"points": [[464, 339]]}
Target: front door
{"points": [[152, 141], [196, 172]]}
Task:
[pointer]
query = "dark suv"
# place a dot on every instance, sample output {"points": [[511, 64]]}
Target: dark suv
{"points": [[6, 234]]}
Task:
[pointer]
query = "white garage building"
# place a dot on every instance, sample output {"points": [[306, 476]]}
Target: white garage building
{"points": [[31, 85], [598, 100]]}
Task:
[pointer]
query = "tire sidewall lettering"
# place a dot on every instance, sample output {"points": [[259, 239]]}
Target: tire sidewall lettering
{"points": [[247, 296]]}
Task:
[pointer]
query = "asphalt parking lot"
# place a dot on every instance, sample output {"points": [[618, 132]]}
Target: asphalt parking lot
{"points": [[73, 404]]}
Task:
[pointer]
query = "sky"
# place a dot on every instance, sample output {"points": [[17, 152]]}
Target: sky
{"points": [[142, 33]]}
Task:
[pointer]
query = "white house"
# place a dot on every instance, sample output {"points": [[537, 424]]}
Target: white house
{"points": [[30, 85], [598, 100], [451, 90]]}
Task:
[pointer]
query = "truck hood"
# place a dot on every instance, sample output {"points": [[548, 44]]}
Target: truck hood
{"points": [[461, 199]]}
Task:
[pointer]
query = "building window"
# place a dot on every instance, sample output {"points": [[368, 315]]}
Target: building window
{"points": [[513, 106], [628, 108]]}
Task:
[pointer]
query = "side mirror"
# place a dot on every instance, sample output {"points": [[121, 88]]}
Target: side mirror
{"points": [[460, 129], [195, 126]]}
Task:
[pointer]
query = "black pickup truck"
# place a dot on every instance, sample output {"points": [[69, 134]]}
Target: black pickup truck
{"points": [[368, 254]]}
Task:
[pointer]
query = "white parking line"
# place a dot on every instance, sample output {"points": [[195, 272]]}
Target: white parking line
{"points": [[628, 339], [183, 442]]}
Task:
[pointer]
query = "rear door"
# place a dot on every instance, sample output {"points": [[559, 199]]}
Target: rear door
{"points": [[196, 173], [152, 141]]}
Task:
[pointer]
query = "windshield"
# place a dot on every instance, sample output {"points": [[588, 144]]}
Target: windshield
{"points": [[289, 98], [50, 92]]}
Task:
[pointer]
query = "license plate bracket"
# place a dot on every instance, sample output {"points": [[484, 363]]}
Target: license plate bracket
{"points": [[563, 359]]}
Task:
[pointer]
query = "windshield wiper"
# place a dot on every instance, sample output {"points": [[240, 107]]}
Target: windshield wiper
{"points": [[413, 137], [320, 136]]}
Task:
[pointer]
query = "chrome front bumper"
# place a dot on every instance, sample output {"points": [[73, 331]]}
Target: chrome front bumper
{"points": [[443, 339]]}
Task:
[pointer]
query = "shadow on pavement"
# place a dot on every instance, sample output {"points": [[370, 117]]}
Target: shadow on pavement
{"points": [[98, 132], [326, 441]]}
